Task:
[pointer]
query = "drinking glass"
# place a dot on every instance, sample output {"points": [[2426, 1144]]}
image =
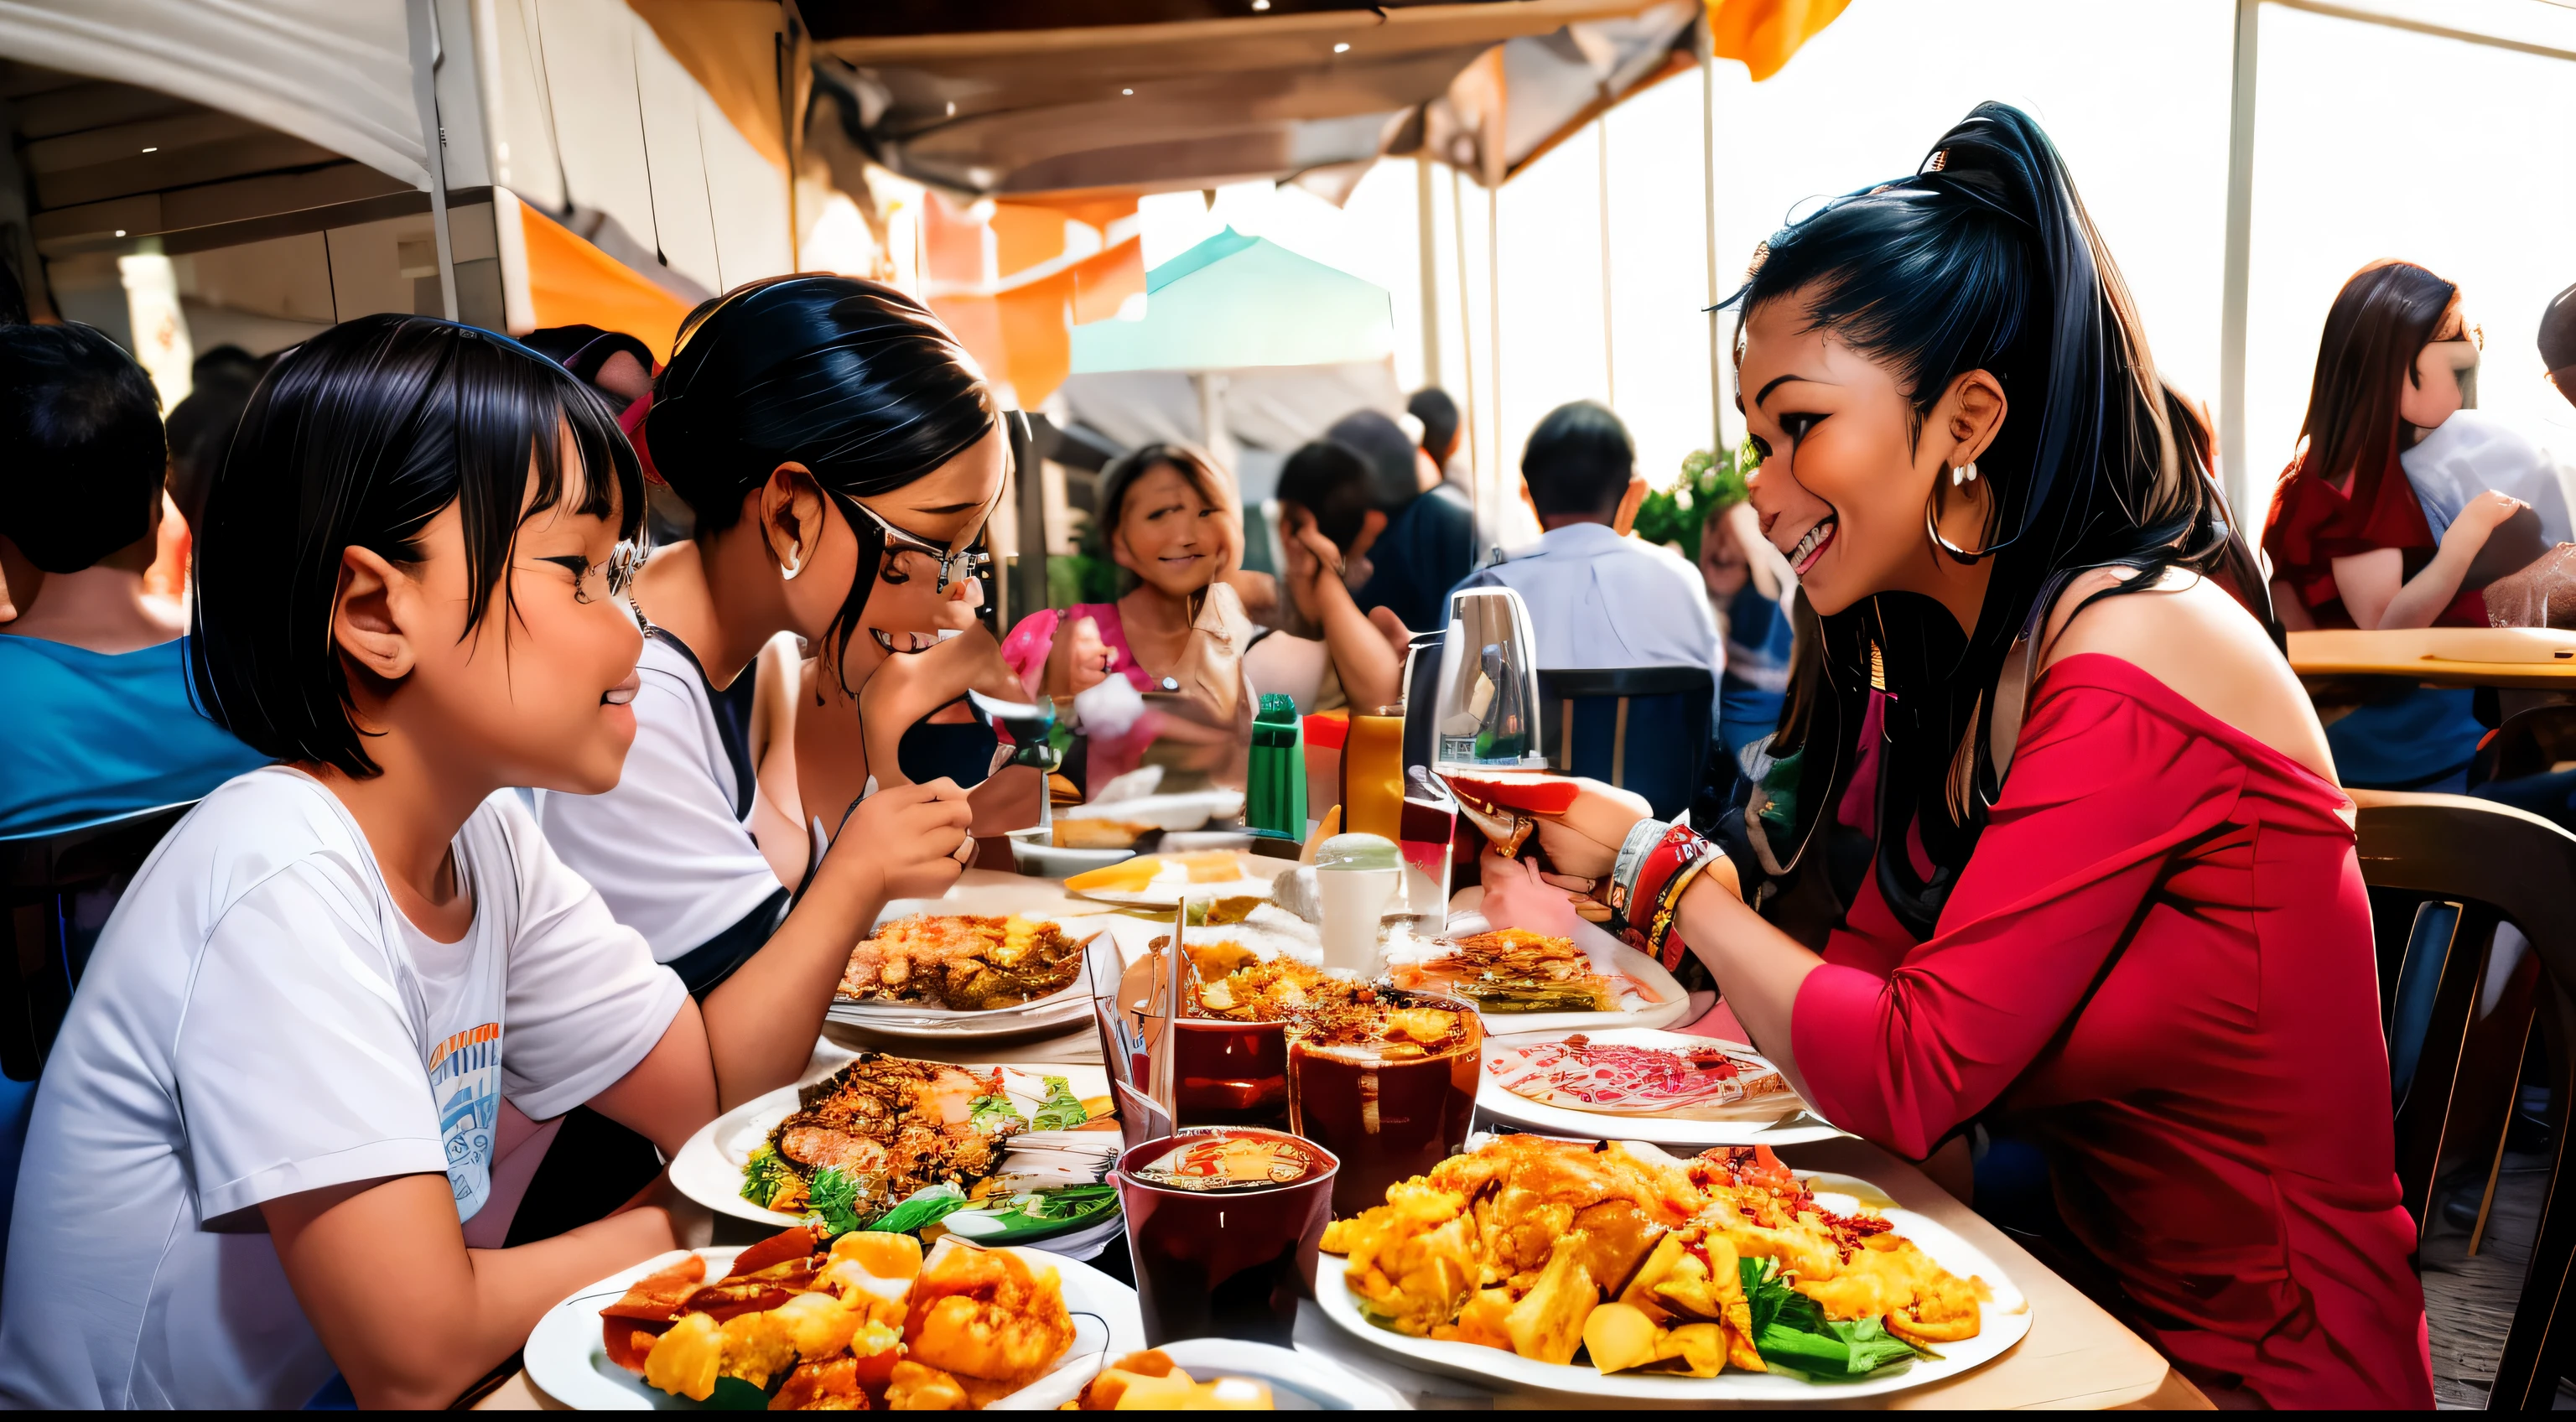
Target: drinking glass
{"points": [[1386, 1116], [1373, 773], [1487, 715], [1229, 1261]]}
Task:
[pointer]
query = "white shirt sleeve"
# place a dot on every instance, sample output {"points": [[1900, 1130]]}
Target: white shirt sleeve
{"points": [[664, 848], [586, 1001], [296, 1065]]}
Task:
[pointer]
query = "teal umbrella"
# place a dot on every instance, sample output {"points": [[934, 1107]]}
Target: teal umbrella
{"points": [[1234, 301]]}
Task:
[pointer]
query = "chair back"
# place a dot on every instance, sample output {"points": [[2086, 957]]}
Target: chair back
{"points": [[2478, 864], [2531, 742], [1645, 729], [58, 889]]}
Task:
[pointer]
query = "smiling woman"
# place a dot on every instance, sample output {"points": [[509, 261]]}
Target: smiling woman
{"points": [[1173, 528], [2102, 894]]}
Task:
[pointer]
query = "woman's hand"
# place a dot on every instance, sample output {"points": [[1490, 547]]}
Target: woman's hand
{"points": [[1584, 841], [909, 686], [1517, 896], [908, 836], [2482, 517]]}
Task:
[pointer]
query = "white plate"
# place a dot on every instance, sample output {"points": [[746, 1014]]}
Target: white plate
{"points": [[1258, 871], [1636, 1011], [923, 1022], [567, 1359], [1034, 853], [1299, 1378], [708, 1168], [2007, 1318], [1498, 1103]]}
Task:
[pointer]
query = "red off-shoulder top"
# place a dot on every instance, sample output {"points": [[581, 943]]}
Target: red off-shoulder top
{"points": [[2157, 966]]}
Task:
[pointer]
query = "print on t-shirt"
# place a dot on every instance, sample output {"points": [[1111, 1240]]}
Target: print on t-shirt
{"points": [[465, 1079]]}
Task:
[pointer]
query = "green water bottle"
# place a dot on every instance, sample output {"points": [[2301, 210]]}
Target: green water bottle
{"points": [[1275, 800]]}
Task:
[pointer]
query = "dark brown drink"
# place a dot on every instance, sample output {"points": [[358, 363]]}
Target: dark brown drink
{"points": [[1223, 1225], [1387, 1083]]}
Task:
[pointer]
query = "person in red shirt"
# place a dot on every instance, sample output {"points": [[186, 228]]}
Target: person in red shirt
{"points": [[2104, 898]]}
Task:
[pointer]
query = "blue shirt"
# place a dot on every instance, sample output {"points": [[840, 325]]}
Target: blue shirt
{"points": [[1427, 547], [86, 736]]}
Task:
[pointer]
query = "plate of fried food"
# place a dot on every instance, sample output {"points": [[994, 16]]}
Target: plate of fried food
{"points": [[1617, 1270], [1231, 879], [1529, 982], [996, 1154], [1670, 1088], [949, 976], [810, 1321]]}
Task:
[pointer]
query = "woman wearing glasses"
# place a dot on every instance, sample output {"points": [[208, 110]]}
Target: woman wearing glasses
{"points": [[834, 445], [2350, 540]]}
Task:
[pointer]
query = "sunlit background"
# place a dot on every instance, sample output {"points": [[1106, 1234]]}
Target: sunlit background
{"points": [[2371, 142]]}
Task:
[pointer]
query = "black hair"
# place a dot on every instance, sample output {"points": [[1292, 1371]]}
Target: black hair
{"points": [[82, 427], [2558, 332], [1983, 259], [1578, 461], [1439, 416], [1394, 473], [227, 361], [852, 379], [201, 428], [1331, 482], [13, 297], [584, 349], [357, 439]]}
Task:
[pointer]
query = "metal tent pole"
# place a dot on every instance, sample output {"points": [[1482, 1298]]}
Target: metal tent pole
{"points": [[433, 141], [1427, 224], [1609, 344], [1708, 230], [2240, 271]]}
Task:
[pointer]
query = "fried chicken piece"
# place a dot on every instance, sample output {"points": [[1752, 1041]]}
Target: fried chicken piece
{"points": [[1414, 1259], [984, 1315], [828, 1386]]}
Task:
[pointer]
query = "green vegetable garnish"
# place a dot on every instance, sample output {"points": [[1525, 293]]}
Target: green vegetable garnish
{"points": [[993, 1114], [925, 1207], [832, 1201], [1790, 1330], [1061, 1110], [761, 1176]]}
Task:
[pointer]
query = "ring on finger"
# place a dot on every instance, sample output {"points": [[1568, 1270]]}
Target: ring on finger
{"points": [[965, 851]]}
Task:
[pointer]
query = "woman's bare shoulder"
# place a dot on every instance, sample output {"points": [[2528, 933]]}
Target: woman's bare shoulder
{"points": [[2189, 634]]}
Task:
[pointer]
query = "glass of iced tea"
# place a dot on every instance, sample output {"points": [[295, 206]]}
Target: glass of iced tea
{"points": [[1385, 1079], [1223, 1223]]}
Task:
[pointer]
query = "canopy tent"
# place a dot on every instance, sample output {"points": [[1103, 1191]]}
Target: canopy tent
{"points": [[1234, 301]]}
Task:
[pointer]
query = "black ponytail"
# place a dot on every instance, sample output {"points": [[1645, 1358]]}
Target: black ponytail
{"points": [[1983, 259]]}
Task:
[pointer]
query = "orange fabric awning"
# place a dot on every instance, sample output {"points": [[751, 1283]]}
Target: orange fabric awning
{"points": [[1018, 324], [1763, 34], [572, 283]]}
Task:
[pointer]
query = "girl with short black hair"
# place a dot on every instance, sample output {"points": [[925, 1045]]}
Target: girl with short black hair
{"points": [[345, 986]]}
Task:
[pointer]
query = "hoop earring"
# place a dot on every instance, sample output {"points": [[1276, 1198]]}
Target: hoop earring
{"points": [[1932, 530]]}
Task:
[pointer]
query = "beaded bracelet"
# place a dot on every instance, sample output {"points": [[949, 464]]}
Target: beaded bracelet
{"points": [[1656, 862]]}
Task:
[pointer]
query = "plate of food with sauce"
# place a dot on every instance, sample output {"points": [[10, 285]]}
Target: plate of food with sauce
{"points": [[1671, 1088], [1619, 1271], [964, 977], [807, 1320], [1530, 982]]}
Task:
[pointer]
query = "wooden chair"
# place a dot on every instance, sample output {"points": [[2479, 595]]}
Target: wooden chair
{"points": [[57, 889], [2495, 864], [1646, 729]]}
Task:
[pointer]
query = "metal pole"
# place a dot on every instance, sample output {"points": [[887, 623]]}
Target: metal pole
{"points": [[1494, 330], [433, 141], [1026, 587], [1609, 346], [1466, 337], [1708, 230], [2240, 269], [1427, 221]]}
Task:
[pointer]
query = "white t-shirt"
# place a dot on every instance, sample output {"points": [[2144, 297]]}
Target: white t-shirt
{"points": [[670, 848], [1599, 601], [259, 1020]]}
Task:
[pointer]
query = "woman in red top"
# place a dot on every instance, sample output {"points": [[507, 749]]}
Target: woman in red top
{"points": [[2349, 542], [2147, 949]]}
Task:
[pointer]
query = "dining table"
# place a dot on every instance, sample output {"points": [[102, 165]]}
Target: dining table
{"points": [[2076, 1354], [2519, 658]]}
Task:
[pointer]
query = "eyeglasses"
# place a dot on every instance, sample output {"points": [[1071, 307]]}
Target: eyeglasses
{"points": [[954, 563], [620, 568]]}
